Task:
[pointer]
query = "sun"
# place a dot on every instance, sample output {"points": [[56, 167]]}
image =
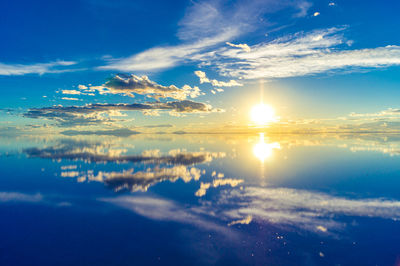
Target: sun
{"points": [[262, 114]]}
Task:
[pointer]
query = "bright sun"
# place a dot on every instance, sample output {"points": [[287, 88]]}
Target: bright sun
{"points": [[262, 114]]}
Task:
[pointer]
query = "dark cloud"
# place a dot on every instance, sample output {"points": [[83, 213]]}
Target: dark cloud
{"points": [[132, 84], [93, 114], [158, 126]]}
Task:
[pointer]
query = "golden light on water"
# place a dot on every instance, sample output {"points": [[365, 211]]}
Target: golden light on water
{"points": [[262, 114], [263, 150]]}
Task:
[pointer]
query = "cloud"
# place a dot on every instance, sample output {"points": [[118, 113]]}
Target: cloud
{"points": [[39, 68], [206, 25], [83, 90], [131, 84], [159, 58], [316, 14], [95, 114], [303, 7], [71, 92], [244, 46], [214, 82], [69, 99], [70, 174], [301, 54]]}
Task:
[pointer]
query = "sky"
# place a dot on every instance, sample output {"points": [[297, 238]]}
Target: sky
{"points": [[122, 67]]}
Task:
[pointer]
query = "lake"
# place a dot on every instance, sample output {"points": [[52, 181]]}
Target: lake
{"points": [[183, 199]]}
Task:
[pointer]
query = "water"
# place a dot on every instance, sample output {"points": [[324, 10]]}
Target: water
{"points": [[200, 199]]}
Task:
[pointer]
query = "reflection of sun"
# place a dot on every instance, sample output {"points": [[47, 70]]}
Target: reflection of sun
{"points": [[264, 150], [262, 114]]}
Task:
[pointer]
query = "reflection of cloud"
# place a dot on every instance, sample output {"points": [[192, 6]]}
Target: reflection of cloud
{"points": [[128, 179], [246, 220], [166, 210], [19, 197], [94, 153], [124, 132], [141, 181], [309, 210], [216, 183], [68, 167]]}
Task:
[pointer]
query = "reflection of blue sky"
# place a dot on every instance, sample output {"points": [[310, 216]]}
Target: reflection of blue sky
{"points": [[320, 185]]}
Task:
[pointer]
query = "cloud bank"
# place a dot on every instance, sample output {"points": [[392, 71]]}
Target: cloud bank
{"points": [[95, 114]]}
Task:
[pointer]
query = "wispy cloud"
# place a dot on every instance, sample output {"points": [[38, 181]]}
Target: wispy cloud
{"points": [[38, 68], [305, 209], [243, 46], [19, 197], [167, 210], [205, 25], [301, 54]]}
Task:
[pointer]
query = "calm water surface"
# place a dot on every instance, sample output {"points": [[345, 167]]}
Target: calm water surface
{"points": [[200, 200]]}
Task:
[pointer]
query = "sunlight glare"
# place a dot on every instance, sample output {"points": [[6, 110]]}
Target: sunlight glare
{"points": [[262, 114]]}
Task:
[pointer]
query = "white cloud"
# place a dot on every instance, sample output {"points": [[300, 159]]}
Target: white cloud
{"points": [[205, 25], [302, 54], [69, 99], [39, 68], [203, 79], [159, 58], [243, 46], [71, 92]]}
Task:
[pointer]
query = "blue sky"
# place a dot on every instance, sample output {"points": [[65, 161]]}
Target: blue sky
{"points": [[317, 62]]}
